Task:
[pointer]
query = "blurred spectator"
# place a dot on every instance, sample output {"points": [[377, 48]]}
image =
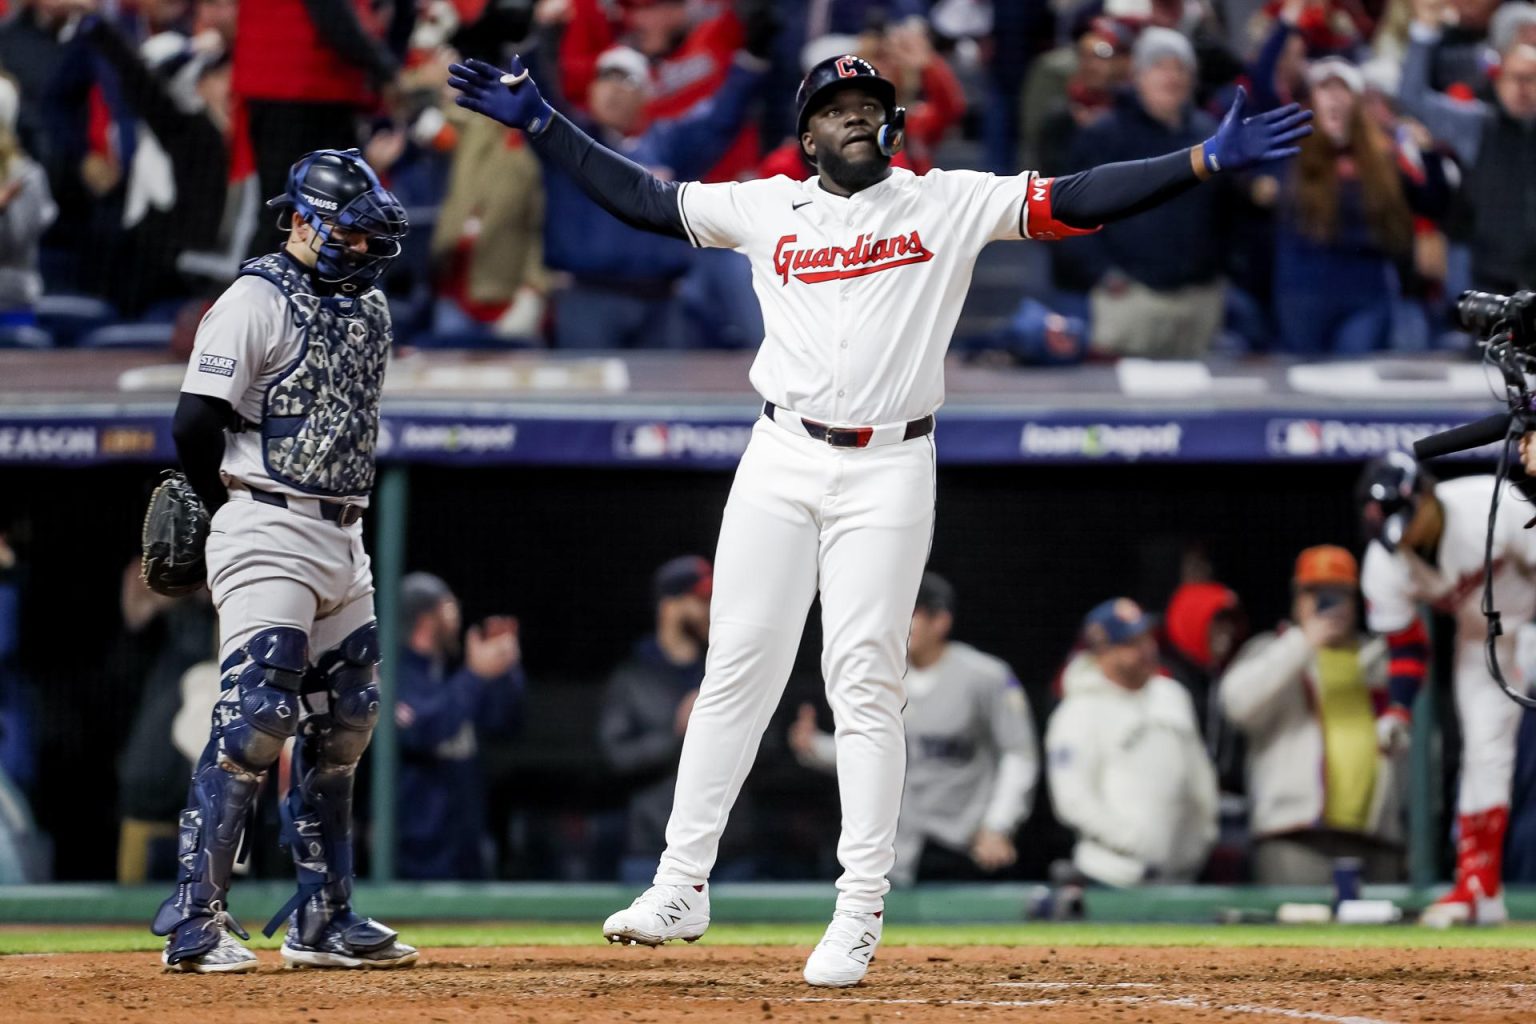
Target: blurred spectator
{"points": [[175, 185], [1202, 628], [304, 71], [624, 281], [31, 52], [972, 758], [444, 707], [174, 634], [1325, 774], [1346, 219], [645, 712], [925, 85], [1103, 67], [18, 754], [1496, 144], [1128, 771], [26, 211], [1154, 278], [1459, 61], [488, 244], [689, 49]]}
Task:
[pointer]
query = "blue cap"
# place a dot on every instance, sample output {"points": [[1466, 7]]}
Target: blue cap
{"points": [[1117, 621], [687, 574]]}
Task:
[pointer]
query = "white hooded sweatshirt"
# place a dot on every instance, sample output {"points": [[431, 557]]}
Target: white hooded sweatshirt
{"points": [[1130, 775]]}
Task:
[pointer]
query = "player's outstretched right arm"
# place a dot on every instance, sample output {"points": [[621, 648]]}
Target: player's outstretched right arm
{"points": [[620, 186]]}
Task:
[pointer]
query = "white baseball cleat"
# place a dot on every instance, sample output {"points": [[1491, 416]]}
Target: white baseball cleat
{"points": [[843, 955], [227, 956], [1462, 907], [660, 914]]}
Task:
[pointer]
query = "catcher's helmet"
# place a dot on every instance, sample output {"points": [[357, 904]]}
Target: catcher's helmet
{"points": [[1388, 496], [841, 72], [335, 188]]}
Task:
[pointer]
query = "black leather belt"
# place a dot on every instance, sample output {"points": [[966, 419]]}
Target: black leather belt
{"points": [[854, 437], [341, 515]]}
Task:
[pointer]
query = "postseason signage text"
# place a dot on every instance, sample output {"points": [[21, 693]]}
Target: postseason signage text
{"points": [[630, 440]]}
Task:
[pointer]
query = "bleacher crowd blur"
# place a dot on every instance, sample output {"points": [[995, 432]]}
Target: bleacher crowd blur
{"points": [[138, 139]]}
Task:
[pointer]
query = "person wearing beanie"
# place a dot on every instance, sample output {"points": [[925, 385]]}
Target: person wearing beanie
{"points": [[1325, 754], [1154, 281], [1202, 628], [1495, 142], [455, 687]]}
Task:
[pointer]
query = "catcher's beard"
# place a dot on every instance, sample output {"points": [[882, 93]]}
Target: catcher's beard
{"points": [[853, 175]]}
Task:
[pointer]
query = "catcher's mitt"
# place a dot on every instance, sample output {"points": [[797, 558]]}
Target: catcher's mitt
{"points": [[175, 532]]}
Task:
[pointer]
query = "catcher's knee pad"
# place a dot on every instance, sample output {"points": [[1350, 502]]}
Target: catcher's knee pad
{"points": [[347, 671], [258, 710]]}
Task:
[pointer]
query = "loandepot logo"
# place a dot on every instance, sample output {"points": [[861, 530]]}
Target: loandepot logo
{"points": [[1101, 440], [1304, 439], [681, 440], [458, 437]]}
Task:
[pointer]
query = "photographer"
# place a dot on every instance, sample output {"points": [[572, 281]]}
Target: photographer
{"points": [[1426, 552], [1321, 765]]}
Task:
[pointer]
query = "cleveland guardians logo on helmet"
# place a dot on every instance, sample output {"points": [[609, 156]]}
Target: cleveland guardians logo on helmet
{"points": [[335, 188], [1388, 496], [843, 72]]}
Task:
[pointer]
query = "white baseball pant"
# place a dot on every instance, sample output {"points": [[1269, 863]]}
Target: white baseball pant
{"points": [[857, 523]]}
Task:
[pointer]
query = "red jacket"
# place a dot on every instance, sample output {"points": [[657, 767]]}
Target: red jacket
{"points": [[280, 56], [692, 72]]}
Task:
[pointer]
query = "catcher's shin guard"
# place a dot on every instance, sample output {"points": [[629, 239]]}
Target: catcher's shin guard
{"points": [[256, 714], [343, 701]]}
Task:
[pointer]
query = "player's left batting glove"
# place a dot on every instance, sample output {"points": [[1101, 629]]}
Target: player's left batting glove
{"points": [[506, 96], [1244, 141]]}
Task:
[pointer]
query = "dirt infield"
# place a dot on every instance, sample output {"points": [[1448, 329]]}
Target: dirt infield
{"points": [[702, 985]]}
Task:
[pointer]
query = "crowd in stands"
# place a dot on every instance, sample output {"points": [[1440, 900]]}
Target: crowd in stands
{"points": [[138, 139]]}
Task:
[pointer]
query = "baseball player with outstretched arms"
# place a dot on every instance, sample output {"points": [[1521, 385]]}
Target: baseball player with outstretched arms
{"points": [[861, 272], [1426, 546], [276, 427]]}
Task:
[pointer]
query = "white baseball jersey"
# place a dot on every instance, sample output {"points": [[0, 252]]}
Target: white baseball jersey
{"points": [[860, 294], [1395, 584]]}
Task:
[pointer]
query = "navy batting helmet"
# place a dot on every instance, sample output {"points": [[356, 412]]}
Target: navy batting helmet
{"points": [[334, 188], [1388, 495], [842, 72]]}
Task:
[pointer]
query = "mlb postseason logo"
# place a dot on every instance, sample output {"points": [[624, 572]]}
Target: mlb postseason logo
{"points": [[222, 366], [1345, 439], [682, 442]]}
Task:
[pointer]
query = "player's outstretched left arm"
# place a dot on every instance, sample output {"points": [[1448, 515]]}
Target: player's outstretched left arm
{"points": [[620, 186], [1115, 191]]}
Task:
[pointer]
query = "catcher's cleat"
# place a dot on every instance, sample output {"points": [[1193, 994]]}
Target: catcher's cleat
{"points": [[225, 956], [367, 945], [659, 915]]}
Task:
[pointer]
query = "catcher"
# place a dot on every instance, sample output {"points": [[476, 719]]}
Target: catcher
{"points": [[276, 426]]}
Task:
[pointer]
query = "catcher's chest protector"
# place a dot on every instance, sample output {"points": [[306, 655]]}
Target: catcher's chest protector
{"points": [[320, 420]]}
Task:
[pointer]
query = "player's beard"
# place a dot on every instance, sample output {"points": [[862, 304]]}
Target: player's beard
{"points": [[853, 175]]}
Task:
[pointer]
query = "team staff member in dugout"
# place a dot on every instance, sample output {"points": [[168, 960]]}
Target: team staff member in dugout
{"points": [[861, 272]]}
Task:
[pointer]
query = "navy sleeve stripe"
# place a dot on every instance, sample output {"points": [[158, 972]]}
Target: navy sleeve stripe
{"points": [[682, 212]]}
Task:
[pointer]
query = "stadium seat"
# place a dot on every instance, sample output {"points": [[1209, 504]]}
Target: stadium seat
{"points": [[25, 336], [153, 335], [69, 317]]}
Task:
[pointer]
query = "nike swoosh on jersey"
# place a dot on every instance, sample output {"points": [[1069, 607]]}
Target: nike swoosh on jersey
{"points": [[806, 202]]}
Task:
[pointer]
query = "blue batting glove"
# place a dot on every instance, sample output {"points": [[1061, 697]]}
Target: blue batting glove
{"points": [[1241, 142], [506, 96]]}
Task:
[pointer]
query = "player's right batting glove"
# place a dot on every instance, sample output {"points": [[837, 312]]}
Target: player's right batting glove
{"points": [[1241, 142], [506, 96]]}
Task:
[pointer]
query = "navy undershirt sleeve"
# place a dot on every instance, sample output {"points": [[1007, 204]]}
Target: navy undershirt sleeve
{"points": [[620, 186], [1112, 192]]}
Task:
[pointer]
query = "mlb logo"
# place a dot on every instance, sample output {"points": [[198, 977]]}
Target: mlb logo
{"points": [[644, 441], [1297, 438]]}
